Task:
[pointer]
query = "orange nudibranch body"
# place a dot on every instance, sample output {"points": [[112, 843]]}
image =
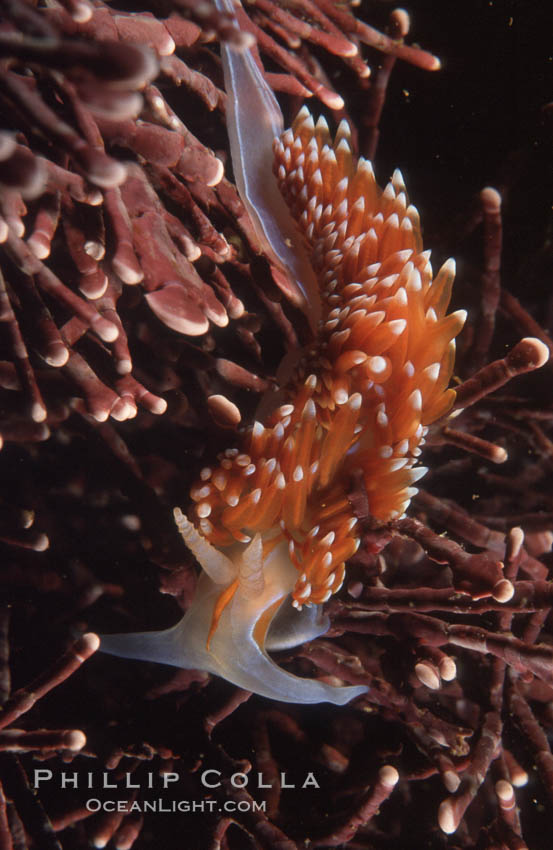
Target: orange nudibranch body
{"points": [[364, 391], [274, 519]]}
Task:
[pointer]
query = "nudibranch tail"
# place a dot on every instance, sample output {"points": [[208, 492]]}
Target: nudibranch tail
{"points": [[254, 119]]}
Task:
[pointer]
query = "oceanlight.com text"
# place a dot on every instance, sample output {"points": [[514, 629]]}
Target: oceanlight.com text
{"points": [[168, 806]]}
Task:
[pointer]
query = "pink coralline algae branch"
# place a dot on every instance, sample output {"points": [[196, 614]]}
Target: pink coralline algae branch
{"points": [[141, 326]]}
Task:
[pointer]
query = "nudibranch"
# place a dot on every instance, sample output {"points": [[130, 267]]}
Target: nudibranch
{"points": [[271, 524]]}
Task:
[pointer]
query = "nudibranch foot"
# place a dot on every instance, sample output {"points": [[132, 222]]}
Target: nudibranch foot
{"points": [[248, 624]]}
